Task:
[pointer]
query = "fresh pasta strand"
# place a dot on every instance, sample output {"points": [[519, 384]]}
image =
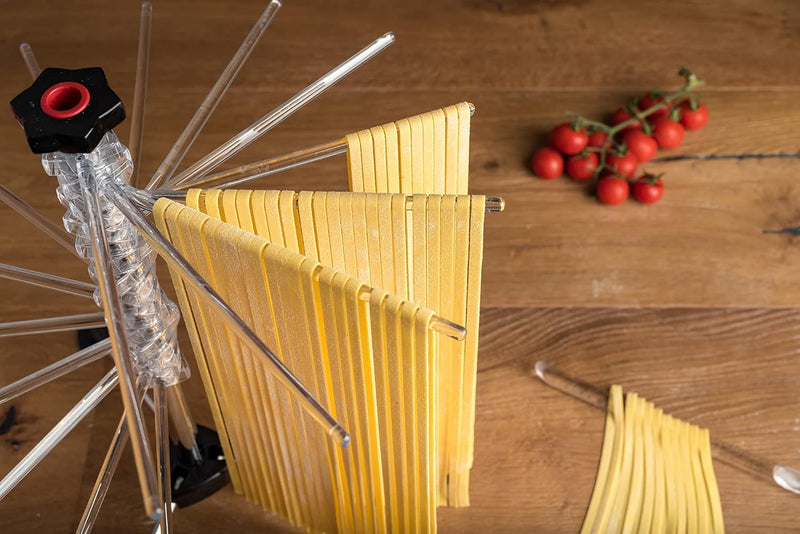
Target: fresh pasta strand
{"points": [[610, 437], [655, 473], [423, 154], [431, 253], [367, 355]]}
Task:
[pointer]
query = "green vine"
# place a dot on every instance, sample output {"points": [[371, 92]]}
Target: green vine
{"points": [[577, 121]]}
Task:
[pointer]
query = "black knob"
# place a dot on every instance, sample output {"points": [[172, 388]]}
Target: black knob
{"points": [[67, 110]]}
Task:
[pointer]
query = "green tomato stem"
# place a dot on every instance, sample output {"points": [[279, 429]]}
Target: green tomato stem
{"points": [[692, 82]]}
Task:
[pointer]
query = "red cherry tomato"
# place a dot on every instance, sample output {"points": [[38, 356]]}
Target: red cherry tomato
{"points": [[622, 166], [597, 139], [648, 101], [581, 168], [693, 119], [648, 189], [621, 115], [668, 133], [640, 145], [547, 163], [568, 141], [612, 190]]}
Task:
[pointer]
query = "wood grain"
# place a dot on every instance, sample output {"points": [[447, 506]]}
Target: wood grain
{"points": [[689, 302]]}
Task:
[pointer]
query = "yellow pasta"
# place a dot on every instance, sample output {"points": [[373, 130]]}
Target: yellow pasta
{"points": [[469, 374], [380, 156], [392, 185], [367, 355], [463, 141], [354, 163], [680, 476], [610, 436], [633, 510], [609, 492], [427, 153], [650, 452], [428, 249], [704, 522], [406, 157], [368, 173], [452, 149], [655, 474], [615, 520], [658, 519], [439, 144], [718, 524]]}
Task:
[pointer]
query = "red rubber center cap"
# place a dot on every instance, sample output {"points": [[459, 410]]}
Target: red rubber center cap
{"points": [[65, 100]]}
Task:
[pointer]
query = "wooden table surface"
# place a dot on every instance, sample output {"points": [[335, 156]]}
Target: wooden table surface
{"points": [[689, 302]]}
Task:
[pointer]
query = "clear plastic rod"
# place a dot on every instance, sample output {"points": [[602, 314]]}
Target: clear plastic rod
{"points": [[106, 474], [30, 60], [266, 167], [140, 90], [785, 477], [148, 198], [120, 349], [49, 281], [210, 297], [448, 328], [260, 169], [47, 325], [103, 482], [55, 370], [58, 432], [201, 116], [162, 455], [282, 112], [157, 526], [439, 324], [44, 224], [148, 401], [495, 204], [182, 421]]}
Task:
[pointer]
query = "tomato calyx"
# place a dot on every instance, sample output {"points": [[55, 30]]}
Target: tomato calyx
{"points": [[648, 189], [576, 125], [651, 178], [567, 140], [620, 149], [693, 119]]}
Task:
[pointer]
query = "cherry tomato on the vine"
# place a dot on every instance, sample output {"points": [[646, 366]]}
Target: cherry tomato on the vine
{"points": [[567, 140], [693, 119], [621, 115], [668, 133], [581, 168], [612, 190], [597, 139], [648, 101], [547, 163], [640, 145], [623, 166], [648, 189]]}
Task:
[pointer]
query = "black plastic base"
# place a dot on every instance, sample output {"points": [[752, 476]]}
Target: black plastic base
{"points": [[192, 481], [87, 338]]}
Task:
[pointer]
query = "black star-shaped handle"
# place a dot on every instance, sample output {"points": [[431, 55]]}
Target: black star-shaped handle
{"points": [[67, 110]]}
